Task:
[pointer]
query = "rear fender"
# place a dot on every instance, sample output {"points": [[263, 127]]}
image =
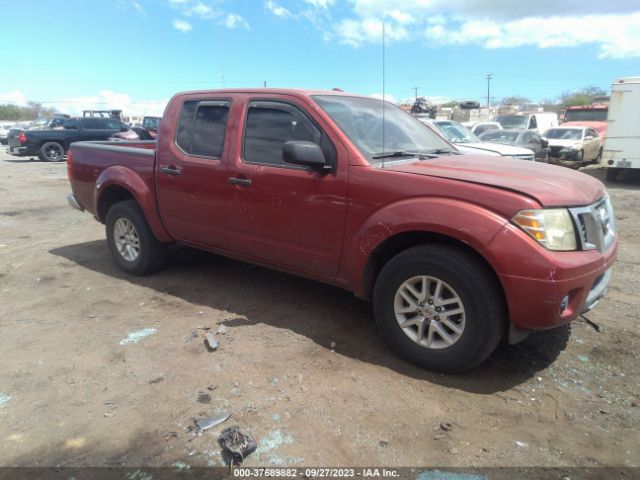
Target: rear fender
{"points": [[126, 178], [465, 222]]}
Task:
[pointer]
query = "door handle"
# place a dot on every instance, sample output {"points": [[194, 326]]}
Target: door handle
{"points": [[239, 181], [170, 170]]}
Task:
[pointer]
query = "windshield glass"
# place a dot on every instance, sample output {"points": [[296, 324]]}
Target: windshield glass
{"points": [[500, 136], [361, 121], [456, 132], [586, 116], [564, 133], [512, 121]]}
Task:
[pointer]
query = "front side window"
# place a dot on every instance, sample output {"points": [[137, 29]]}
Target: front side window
{"points": [[202, 128], [269, 125]]}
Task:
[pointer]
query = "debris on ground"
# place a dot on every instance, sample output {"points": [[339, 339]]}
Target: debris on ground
{"points": [[135, 337], [211, 388], [191, 337], [212, 343], [170, 435], [236, 444], [204, 397], [519, 443], [591, 323], [446, 426], [222, 330], [208, 422]]}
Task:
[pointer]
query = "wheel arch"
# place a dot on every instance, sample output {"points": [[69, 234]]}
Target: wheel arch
{"points": [[119, 183], [400, 242]]}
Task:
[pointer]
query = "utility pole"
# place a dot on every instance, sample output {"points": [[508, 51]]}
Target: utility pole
{"points": [[415, 90], [265, 84], [488, 77]]}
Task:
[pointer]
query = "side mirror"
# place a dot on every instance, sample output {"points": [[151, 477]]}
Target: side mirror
{"points": [[299, 152]]}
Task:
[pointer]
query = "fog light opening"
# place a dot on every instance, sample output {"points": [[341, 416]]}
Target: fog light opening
{"points": [[564, 303]]}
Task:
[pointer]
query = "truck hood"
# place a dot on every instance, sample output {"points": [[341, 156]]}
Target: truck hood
{"points": [[600, 127], [491, 147], [550, 185]]}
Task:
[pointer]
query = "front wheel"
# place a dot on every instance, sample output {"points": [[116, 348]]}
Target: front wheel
{"points": [[51, 152], [133, 245], [439, 307]]}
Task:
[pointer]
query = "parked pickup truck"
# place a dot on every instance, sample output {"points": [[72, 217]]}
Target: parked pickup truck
{"points": [[456, 251], [51, 144]]}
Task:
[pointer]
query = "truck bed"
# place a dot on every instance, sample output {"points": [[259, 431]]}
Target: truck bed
{"points": [[92, 166]]}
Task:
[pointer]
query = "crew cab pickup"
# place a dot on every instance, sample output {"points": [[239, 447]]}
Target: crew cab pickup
{"points": [[51, 144], [455, 251]]}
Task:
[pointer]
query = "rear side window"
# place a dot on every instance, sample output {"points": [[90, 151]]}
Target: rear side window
{"points": [[202, 127], [271, 124]]}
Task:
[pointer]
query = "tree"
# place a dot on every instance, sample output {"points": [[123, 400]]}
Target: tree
{"points": [[30, 112], [516, 100], [584, 96]]}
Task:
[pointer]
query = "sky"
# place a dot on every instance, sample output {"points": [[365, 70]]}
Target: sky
{"points": [[135, 54]]}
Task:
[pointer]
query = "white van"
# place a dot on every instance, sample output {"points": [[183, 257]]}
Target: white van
{"points": [[539, 121], [621, 149]]}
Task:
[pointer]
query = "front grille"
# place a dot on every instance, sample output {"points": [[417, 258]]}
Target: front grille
{"points": [[596, 225], [555, 151]]}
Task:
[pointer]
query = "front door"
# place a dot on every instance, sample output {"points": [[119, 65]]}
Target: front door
{"points": [[281, 213], [191, 174]]}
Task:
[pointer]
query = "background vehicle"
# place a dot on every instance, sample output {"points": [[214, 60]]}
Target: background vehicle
{"points": [[4, 132], [540, 122], [621, 149], [573, 146], [467, 142], [454, 250], [134, 133], [481, 127], [520, 138], [151, 124], [52, 144], [594, 116], [115, 114]]}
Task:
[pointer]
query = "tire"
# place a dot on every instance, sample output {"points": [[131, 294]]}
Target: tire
{"points": [[481, 325], [133, 245], [52, 152]]}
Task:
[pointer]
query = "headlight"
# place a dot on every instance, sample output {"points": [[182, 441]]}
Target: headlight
{"points": [[551, 227]]}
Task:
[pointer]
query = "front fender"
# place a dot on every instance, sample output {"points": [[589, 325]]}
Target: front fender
{"points": [[139, 187], [465, 222]]}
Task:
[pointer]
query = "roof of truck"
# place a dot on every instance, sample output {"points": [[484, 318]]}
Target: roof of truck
{"points": [[282, 91]]}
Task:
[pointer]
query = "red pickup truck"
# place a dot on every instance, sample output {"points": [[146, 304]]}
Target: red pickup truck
{"points": [[456, 251]]}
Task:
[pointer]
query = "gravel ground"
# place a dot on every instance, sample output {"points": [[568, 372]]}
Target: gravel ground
{"points": [[102, 369]]}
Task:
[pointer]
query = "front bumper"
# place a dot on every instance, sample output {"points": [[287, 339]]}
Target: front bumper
{"points": [[546, 289], [71, 199]]}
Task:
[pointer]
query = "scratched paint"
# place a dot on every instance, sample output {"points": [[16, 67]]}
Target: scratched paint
{"points": [[135, 337], [4, 399], [438, 475]]}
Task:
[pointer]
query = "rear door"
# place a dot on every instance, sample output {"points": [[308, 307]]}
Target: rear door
{"points": [[281, 213], [191, 173]]}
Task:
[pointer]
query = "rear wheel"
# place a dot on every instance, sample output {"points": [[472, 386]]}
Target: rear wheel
{"points": [[51, 152], [133, 245], [439, 307]]}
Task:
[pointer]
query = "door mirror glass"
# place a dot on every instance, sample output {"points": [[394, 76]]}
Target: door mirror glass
{"points": [[300, 152]]}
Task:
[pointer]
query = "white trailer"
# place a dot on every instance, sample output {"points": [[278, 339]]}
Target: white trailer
{"points": [[621, 149]]}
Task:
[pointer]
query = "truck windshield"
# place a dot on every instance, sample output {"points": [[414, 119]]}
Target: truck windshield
{"points": [[512, 121], [599, 115], [361, 121]]}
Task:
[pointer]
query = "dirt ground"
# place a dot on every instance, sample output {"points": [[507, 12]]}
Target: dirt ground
{"points": [[103, 369]]}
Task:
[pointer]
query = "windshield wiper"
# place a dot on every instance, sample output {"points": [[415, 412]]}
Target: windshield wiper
{"points": [[441, 151], [398, 153]]}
